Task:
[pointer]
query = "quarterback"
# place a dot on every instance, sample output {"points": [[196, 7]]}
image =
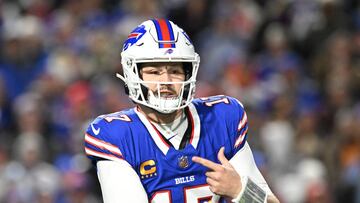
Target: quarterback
{"points": [[171, 147]]}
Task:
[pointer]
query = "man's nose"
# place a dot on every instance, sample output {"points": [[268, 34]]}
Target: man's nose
{"points": [[165, 77]]}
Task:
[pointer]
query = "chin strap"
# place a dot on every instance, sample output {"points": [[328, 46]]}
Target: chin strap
{"points": [[250, 193]]}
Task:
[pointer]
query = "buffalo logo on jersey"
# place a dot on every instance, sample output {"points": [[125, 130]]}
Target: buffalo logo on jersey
{"points": [[148, 169], [134, 36]]}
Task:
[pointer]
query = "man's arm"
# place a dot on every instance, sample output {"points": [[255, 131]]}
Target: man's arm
{"points": [[120, 183], [250, 169]]}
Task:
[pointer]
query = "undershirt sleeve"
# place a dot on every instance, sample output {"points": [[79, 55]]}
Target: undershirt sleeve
{"points": [[244, 163], [119, 182]]}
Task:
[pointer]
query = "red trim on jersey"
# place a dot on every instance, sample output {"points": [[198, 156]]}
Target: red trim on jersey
{"points": [[240, 139], [160, 135], [196, 186], [192, 125], [204, 199], [161, 191], [243, 121], [106, 143], [101, 154], [102, 147]]}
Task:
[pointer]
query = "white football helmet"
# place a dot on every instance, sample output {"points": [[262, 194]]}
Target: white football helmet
{"points": [[158, 40]]}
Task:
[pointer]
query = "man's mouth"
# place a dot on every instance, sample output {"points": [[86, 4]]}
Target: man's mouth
{"points": [[168, 95]]}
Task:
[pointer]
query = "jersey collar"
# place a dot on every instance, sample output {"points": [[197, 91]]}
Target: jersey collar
{"points": [[194, 121]]}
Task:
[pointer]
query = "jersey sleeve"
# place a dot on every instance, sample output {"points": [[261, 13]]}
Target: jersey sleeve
{"points": [[232, 116], [99, 144], [235, 116]]}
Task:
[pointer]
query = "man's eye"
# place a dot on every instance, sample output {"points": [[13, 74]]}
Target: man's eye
{"points": [[156, 72], [176, 72], [153, 72]]}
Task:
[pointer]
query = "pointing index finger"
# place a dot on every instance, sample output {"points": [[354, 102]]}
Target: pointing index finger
{"points": [[207, 163]]}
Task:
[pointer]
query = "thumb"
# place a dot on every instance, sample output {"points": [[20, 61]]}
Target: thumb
{"points": [[221, 156]]}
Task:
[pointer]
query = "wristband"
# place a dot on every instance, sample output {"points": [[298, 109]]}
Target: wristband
{"points": [[250, 192]]}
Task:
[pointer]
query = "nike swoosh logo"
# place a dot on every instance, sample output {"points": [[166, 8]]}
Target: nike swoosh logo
{"points": [[96, 131]]}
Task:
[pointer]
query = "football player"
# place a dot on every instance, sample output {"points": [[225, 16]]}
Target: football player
{"points": [[171, 147]]}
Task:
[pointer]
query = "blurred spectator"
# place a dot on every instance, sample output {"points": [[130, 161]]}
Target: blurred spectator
{"points": [[5, 108], [30, 178], [23, 58], [192, 16], [293, 64]]}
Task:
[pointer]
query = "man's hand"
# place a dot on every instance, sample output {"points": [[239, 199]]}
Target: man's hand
{"points": [[222, 178]]}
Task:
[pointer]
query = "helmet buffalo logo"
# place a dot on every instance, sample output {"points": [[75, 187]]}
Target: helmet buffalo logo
{"points": [[169, 51], [134, 36]]}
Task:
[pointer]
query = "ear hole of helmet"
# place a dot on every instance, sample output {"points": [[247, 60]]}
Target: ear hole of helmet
{"points": [[188, 68], [139, 66]]}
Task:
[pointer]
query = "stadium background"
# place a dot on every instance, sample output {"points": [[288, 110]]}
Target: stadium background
{"points": [[295, 64]]}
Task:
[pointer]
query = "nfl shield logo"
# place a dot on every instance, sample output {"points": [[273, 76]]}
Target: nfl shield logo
{"points": [[183, 162]]}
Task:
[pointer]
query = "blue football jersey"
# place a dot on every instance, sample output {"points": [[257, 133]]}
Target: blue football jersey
{"points": [[167, 174]]}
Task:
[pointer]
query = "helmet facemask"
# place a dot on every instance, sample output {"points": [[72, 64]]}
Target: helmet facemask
{"points": [[140, 93]]}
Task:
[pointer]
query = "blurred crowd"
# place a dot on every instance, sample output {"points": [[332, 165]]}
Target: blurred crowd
{"points": [[294, 64]]}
